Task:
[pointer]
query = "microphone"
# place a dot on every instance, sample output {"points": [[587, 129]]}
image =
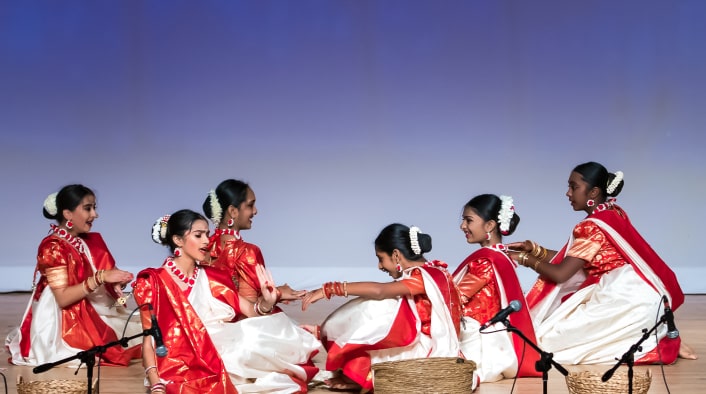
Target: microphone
{"points": [[156, 333], [514, 306], [672, 331]]}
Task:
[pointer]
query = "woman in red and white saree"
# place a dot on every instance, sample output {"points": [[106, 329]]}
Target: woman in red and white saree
{"points": [[595, 296], [416, 316], [487, 282], [73, 306], [231, 208], [211, 348]]}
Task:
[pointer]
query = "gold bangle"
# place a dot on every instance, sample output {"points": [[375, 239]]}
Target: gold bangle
{"points": [[345, 289], [535, 249], [536, 264], [522, 258]]}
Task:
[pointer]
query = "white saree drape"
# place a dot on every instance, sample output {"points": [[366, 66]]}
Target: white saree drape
{"points": [[259, 353], [600, 322], [493, 351], [47, 343]]}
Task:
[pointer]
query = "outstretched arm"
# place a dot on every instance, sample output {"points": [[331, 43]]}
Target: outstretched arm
{"points": [[371, 290], [529, 254]]}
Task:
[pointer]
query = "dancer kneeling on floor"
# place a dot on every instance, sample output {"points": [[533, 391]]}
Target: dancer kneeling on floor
{"points": [[488, 283], [594, 297]]}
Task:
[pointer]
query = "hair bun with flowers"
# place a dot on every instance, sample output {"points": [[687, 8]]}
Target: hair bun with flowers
{"points": [[414, 239], [507, 211], [159, 229], [50, 204], [216, 211], [614, 183]]}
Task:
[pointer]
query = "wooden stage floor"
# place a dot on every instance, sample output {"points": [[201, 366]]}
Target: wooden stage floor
{"points": [[685, 376]]}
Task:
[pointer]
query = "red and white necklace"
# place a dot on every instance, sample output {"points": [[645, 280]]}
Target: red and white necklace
{"points": [[499, 247], [73, 241], [227, 231], [171, 265]]}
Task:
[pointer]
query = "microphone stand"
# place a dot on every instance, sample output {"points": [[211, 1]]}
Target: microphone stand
{"points": [[546, 361], [629, 357], [88, 357]]}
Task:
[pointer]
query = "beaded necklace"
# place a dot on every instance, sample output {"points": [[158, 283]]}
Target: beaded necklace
{"points": [[171, 265], [606, 205], [227, 231], [499, 247], [435, 264], [76, 242]]}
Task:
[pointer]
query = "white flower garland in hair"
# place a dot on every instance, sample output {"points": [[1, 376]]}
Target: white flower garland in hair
{"points": [[414, 239], [616, 181], [507, 211], [159, 229], [216, 211], [50, 204]]}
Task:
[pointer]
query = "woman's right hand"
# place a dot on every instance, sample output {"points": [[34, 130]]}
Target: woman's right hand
{"points": [[514, 249], [117, 276], [311, 297]]}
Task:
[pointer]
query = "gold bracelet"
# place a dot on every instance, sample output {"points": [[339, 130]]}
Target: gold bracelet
{"points": [[522, 258], [544, 254], [536, 264], [534, 248]]}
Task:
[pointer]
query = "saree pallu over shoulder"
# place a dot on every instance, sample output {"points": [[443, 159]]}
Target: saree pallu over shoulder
{"points": [[240, 259], [192, 362], [593, 319], [48, 332], [509, 289], [633, 248]]}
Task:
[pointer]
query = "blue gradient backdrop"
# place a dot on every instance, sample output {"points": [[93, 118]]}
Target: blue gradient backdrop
{"points": [[346, 116]]}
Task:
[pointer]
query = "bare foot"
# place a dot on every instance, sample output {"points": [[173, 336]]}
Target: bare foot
{"points": [[340, 382], [687, 352]]}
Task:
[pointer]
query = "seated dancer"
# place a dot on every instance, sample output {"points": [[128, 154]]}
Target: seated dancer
{"points": [[209, 349], [78, 302], [231, 208], [416, 316], [487, 282], [594, 297]]}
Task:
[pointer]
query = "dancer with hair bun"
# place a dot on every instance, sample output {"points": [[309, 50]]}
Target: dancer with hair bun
{"points": [[215, 340], [78, 301], [488, 283], [415, 316], [594, 297], [231, 208]]}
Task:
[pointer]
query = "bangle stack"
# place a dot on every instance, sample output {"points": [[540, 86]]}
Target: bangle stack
{"points": [[524, 256], [158, 388], [98, 277], [538, 251], [259, 311], [335, 288]]}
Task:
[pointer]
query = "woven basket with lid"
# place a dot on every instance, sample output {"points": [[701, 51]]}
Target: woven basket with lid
{"points": [[586, 382], [449, 375]]}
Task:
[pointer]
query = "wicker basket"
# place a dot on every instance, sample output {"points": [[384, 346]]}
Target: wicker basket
{"points": [[424, 375], [51, 386], [587, 382]]}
